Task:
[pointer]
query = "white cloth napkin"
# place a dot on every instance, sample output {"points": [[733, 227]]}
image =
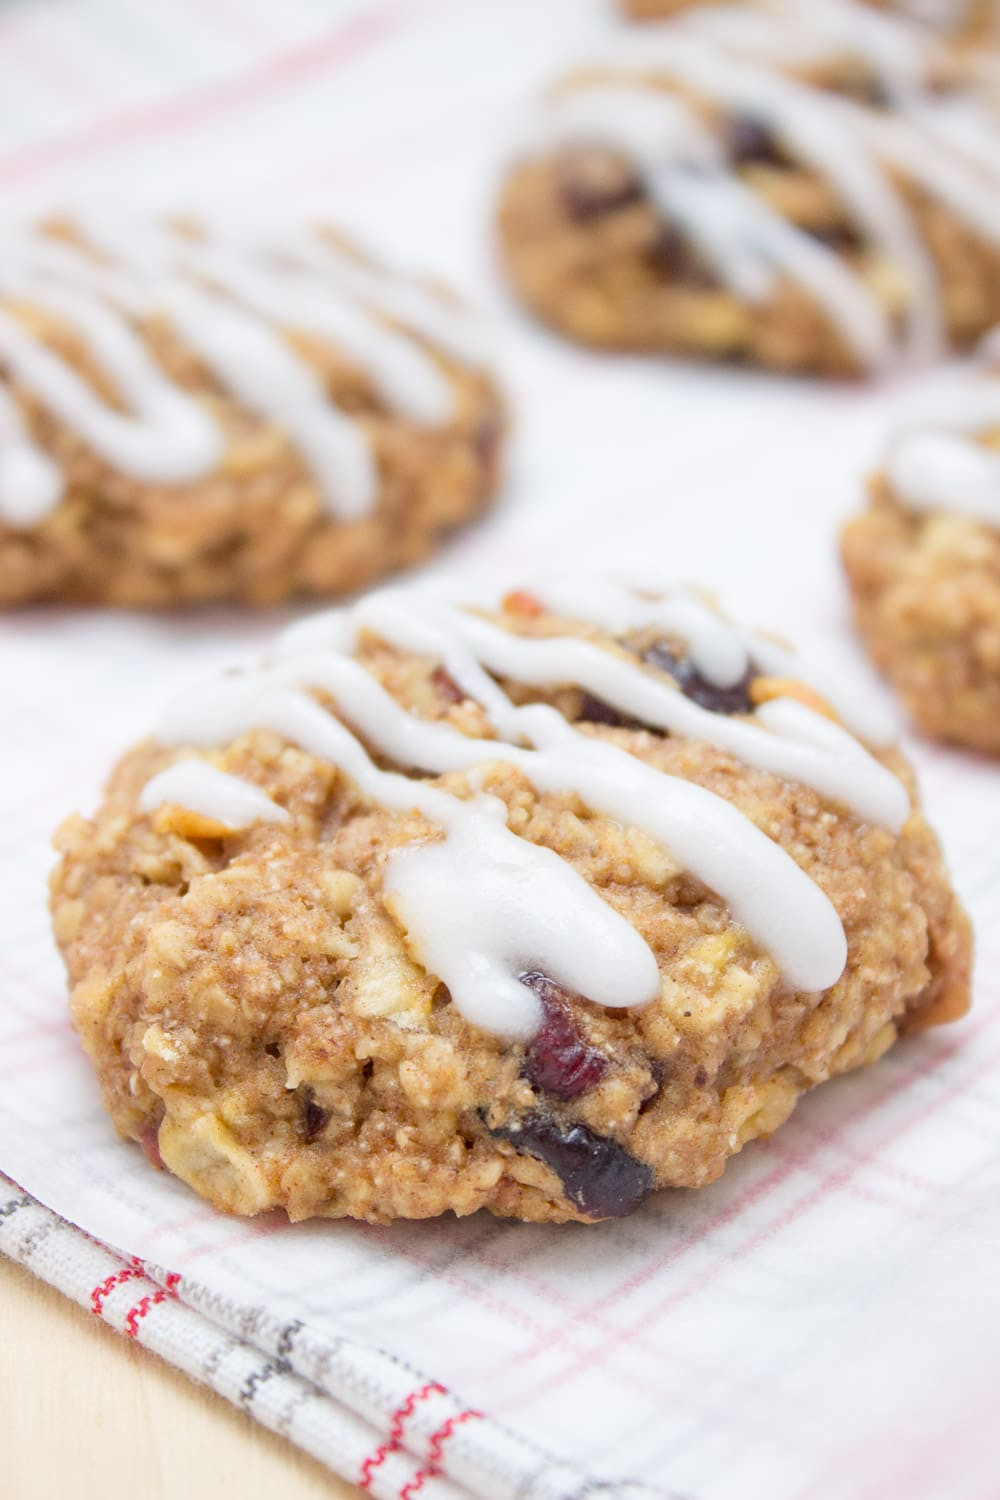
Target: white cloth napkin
{"points": [[823, 1323]]}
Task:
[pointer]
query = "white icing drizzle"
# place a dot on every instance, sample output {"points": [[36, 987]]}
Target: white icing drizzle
{"points": [[467, 643], [288, 297], [481, 904], [786, 32], [233, 302], [525, 913], [967, 126], [731, 60], [940, 466], [486, 916], [412, 305], [715, 644], [202, 788], [30, 483], [916, 145], [255, 363], [168, 439], [685, 173], [945, 15], [722, 650], [850, 775]]}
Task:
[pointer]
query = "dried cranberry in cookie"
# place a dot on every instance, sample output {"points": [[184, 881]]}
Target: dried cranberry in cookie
{"points": [[598, 182], [732, 699], [314, 1117], [557, 1060], [387, 928], [598, 1176], [749, 139]]}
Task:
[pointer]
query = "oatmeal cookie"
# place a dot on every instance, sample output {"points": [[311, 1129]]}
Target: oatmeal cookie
{"points": [[188, 416], [790, 194], [534, 907], [923, 564]]}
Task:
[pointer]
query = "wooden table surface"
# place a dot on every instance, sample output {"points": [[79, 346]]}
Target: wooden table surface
{"points": [[86, 1413]]}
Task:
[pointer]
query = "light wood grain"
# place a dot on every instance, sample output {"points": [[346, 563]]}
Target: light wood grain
{"points": [[85, 1412]]}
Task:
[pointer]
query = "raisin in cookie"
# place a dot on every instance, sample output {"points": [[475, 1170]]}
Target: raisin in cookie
{"points": [[793, 194], [187, 416], [924, 568], [532, 908]]}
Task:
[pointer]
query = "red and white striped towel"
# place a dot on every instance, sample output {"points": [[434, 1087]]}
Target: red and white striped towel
{"points": [[823, 1322]]}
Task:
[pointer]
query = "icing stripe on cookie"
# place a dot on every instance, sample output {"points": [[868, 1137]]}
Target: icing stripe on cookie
{"points": [[649, 104], [482, 905], [236, 304], [201, 788]]}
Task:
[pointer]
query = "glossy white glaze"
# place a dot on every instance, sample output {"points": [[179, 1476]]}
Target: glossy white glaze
{"points": [[941, 465], [645, 105], [234, 304], [202, 788], [481, 905]]}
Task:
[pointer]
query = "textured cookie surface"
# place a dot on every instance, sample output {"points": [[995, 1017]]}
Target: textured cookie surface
{"points": [[789, 187], [923, 562], [436, 911], [185, 417]]}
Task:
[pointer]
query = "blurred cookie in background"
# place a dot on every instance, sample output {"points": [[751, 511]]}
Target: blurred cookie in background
{"points": [[923, 562], [791, 190], [189, 415]]}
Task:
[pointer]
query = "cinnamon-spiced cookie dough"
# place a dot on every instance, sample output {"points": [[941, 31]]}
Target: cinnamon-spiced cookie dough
{"points": [[188, 415], [923, 563], [535, 907], [797, 191]]}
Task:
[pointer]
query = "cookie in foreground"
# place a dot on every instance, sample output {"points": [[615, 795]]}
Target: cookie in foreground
{"points": [[190, 414], [534, 905], [812, 190], [923, 562]]}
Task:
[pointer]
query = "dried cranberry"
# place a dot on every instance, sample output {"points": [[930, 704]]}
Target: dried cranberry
{"points": [[834, 236], [314, 1116], [670, 252], [558, 1060], [657, 1076], [598, 1176], [867, 87], [596, 711], [720, 700], [749, 139], [446, 685], [593, 186], [487, 441]]}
